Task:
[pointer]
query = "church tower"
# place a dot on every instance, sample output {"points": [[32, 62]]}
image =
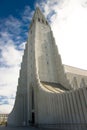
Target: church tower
{"points": [[47, 59], [44, 95], [44, 62], [41, 64]]}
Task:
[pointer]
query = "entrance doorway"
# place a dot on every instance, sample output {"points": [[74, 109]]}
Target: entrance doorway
{"points": [[33, 118], [32, 107]]}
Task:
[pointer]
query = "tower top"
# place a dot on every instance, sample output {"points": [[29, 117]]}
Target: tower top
{"points": [[38, 15]]}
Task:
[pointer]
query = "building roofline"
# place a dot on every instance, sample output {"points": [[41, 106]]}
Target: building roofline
{"points": [[75, 70]]}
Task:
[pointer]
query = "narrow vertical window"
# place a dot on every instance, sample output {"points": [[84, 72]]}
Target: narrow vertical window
{"points": [[46, 22], [39, 19], [32, 98]]}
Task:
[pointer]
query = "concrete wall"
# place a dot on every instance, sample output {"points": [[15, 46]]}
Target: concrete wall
{"points": [[48, 61], [77, 77], [66, 108]]}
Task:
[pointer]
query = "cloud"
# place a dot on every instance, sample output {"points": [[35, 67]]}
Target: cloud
{"points": [[13, 37], [84, 3], [8, 86], [9, 53], [27, 14], [48, 7], [3, 101], [10, 25], [6, 104], [5, 108], [22, 46]]}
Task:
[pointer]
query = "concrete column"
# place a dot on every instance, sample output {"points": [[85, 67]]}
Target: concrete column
{"points": [[75, 119], [68, 108], [84, 91], [55, 108], [76, 107], [82, 101], [60, 108], [58, 111], [71, 107], [64, 108], [79, 106]]}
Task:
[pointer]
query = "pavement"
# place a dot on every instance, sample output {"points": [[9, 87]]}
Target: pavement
{"points": [[35, 128], [21, 128]]}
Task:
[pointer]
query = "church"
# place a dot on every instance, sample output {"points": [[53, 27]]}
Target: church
{"points": [[49, 94]]}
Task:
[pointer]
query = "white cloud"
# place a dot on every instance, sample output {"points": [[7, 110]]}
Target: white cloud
{"points": [[9, 75], [11, 56], [84, 3], [27, 14], [13, 24], [22, 45], [5, 108], [8, 86]]}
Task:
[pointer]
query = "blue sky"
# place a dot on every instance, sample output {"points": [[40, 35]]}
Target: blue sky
{"points": [[14, 25], [14, 7], [68, 20]]}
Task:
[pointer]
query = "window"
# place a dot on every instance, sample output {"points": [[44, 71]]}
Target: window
{"points": [[32, 98], [46, 22], [39, 19]]}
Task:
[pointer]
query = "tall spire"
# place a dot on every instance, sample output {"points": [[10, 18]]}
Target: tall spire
{"points": [[38, 15]]}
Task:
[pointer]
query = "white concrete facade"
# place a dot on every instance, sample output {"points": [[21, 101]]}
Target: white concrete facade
{"points": [[77, 77], [44, 96]]}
